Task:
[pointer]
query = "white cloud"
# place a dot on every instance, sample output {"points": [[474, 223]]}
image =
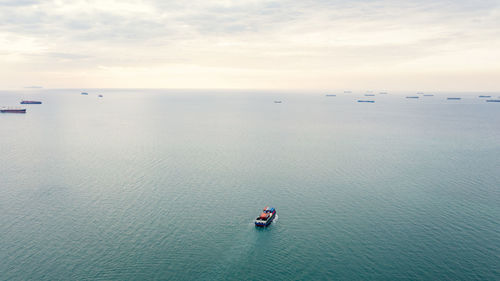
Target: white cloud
{"points": [[248, 43]]}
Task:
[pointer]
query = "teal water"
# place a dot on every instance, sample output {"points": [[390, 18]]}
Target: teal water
{"points": [[164, 185]]}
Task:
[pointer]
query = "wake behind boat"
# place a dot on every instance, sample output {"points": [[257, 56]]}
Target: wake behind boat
{"points": [[266, 217]]}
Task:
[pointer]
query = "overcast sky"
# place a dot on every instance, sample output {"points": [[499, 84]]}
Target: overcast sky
{"points": [[439, 45]]}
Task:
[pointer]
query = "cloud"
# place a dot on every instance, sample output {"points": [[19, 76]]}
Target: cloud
{"points": [[259, 38]]}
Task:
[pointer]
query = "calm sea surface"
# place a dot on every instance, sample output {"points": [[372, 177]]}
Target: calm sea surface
{"points": [[164, 185]]}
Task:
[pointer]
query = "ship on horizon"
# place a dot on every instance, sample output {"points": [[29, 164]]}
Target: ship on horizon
{"points": [[30, 102], [12, 110]]}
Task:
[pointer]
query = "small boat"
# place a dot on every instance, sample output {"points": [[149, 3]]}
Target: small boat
{"points": [[30, 102], [492, 100], [12, 110], [330, 95], [454, 98], [485, 96], [369, 95], [100, 96], [85, 94], [370, 101], [277, 101], [428, 95], [266, 217], [412, 97]]}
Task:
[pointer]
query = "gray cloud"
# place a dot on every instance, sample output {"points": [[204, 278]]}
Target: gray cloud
{"points": [[245, 34]]}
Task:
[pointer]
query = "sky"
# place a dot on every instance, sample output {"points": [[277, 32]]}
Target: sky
{"points": [[424, 45]]}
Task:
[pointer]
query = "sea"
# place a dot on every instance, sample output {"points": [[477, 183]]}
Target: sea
{"points": [[165, 185]]}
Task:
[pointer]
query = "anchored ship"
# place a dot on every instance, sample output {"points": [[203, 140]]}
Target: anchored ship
{"points": [[12, 110], [266, 217], [30, 102]]}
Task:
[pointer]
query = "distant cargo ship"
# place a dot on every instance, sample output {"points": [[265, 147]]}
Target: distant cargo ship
{"points": [[277, 101], [492, 100], [428, 95], [330, 95], [369, 95], [485, 96], [412, 97], [12, 110], [30, 102], [370, 101], [85, 94], [454, 98]]}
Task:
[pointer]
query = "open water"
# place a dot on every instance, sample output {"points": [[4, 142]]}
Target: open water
{"points": [[165, 184]]}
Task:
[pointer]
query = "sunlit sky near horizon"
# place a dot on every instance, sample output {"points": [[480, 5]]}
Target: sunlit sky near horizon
{"points": [[440, 45]]}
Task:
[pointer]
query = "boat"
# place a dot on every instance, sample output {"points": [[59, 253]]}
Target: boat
{"points": [[330, 95], [382, 93], [266, 217], [30, 102], [369, 95], [412, 97], [370, 101], [485, 96], [12, 110], [85, 94], [428, 95], [454, 98], [277, 101], [492, 100], [100, 96]]}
